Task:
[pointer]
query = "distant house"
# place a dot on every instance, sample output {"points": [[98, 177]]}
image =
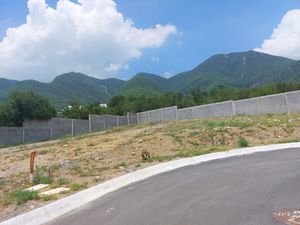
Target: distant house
{"points": [[103, 105]]}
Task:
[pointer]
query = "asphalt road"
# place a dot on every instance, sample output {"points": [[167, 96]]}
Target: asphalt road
{"points": [[234, 191]]}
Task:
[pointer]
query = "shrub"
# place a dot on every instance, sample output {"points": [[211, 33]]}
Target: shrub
{"points": [[243, 142], [21, 196], [42, 180], [62, 181]]}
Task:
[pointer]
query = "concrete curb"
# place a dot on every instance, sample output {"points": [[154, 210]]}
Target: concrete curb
{"points": [[53, 210]]}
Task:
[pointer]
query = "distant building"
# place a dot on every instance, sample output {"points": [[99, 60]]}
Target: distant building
{"points": [[103, 105]]}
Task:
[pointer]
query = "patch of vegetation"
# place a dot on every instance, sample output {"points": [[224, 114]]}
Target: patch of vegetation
{"points": [[62, 181], [42, 180], [194, 133], [122, 164], [47, 198], [20, 197], [76, 186], [243, 142], [2, 181]]}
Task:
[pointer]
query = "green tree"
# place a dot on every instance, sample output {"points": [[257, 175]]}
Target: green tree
{"points": [[21, 106]]}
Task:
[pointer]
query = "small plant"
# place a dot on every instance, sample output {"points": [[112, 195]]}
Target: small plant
{"points": [[243, 142], [62, 181], [122, 164], [47, 198], [2, 181], [42, 180], [194, 133], [21, 196], [76, 187]]}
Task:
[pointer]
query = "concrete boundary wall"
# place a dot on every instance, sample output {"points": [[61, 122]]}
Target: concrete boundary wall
{"points": [[273, 104], [123, 120], [61, 127], [158, 115], [97, 122], [110, 121], [80, 126], [36, 134], [185, 114], [221, 109], [247, 107], [293, 101], [132, 118], [35, 131], [11, 135]]}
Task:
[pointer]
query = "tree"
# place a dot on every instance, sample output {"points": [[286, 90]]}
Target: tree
{"points": [[21, 106]]}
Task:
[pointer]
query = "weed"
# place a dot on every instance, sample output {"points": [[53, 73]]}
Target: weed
{"points": [[2, 181], [243, 142], [76, 186], [42, 180], [21, 197], [47, 198], [84, 174], [194, 133], [62, 181], [122, 164]]}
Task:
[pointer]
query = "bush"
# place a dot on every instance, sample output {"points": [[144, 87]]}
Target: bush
{"points": [[42, 180], [243, 142], [62, 181], [21, 196]]}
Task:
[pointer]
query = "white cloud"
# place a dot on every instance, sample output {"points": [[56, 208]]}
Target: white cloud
{"points": [[168, 74], [90, 36], [285, 40]]}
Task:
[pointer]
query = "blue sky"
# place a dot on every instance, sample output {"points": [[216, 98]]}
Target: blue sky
{"points": [[204, 28]]}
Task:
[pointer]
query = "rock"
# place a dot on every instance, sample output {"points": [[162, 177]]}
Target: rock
{"points": [[55, 191], [132, 153], [65, 145]]}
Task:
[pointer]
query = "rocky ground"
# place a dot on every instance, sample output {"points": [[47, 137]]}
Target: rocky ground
{"points": [[83, 161]]}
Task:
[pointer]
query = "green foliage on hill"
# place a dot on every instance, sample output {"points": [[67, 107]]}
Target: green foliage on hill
{"points": [[67, 88], [21, 106], [239, 70], [143, 83]]}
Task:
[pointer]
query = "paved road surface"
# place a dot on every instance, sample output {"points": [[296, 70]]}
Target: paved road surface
{"points": [[235, 191]]}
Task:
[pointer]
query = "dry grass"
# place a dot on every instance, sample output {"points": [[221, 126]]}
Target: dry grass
{"points": [[86, 160]]}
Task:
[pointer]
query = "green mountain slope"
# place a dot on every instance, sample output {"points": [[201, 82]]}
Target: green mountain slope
{"points": [[245, 69], [70, 87], [291, 74], [144, 84]]}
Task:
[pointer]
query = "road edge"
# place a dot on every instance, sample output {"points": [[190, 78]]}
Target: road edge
{"points": [[63, 206]]}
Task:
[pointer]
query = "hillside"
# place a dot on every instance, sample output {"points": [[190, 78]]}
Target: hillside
{"points": [[143, 83], [69, 87], [238, 70]]}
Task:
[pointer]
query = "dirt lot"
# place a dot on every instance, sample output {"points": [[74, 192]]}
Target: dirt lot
{"points": [[86, 160]]}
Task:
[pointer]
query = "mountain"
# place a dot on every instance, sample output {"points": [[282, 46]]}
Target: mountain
{"points": [[292, 73], [4, 85], [237, 70], [69, 87], [144, 84]]}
